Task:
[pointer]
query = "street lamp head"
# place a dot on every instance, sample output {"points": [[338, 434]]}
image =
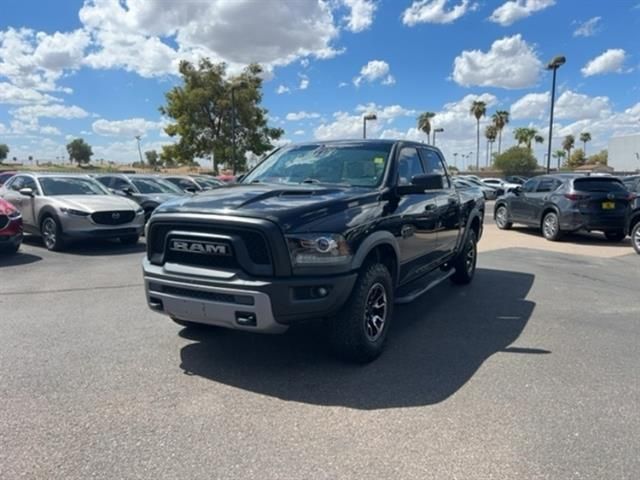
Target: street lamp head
{"points": [[439, 130], [556, 62], [371, 116]]}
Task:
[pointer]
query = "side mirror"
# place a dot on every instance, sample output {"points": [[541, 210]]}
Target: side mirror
{"points": [[422, 183], [517, 190], [191, 189], [128, 191], [27, 192]]}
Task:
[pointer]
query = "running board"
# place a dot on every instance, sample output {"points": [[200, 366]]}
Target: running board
{"points": [[417, 293]]}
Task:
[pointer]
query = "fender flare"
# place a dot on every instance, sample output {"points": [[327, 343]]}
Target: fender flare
{"points": [[545, 209], [50, 211], [633, 220], [381, 237]]}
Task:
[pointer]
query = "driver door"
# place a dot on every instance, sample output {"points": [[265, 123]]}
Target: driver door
{"points": [[518, 202]]}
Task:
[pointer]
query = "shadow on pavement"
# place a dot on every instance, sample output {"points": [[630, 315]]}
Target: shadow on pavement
{"points": [[93, 247], [435, 346], [580, 238], [16, 259]]}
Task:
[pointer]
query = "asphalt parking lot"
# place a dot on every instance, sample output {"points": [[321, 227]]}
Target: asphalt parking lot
{"points": [[530, 372]]}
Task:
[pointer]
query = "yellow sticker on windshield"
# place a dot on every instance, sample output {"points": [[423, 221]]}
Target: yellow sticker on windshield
{"points": [[378, 160]]}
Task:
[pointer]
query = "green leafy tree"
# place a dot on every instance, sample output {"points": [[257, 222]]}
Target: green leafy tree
{"points": [[424, 124], [516, 161], [600, 158], [568, 144], [152, 158], [201, 109], [577, 159], [527, 135], [584, 138], [4, 151], [79, 151], [500, 120], [478, 110]]}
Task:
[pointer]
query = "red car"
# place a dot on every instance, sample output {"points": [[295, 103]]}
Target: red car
{"points": [[10, 227]]}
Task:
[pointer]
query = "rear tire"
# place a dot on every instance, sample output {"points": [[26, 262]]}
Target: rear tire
{"points": [[359, 331], [130, 239], [502, 218], [635, 237], [615, 235], [551, 227], [51, 233], [465, 263]]}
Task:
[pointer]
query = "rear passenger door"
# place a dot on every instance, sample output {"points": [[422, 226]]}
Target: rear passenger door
{"points": [[448, 206]]}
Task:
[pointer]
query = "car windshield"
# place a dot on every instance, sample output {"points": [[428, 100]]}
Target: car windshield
{"points": [[150, 185], [71, 186], [358, 164], [207, 183]]}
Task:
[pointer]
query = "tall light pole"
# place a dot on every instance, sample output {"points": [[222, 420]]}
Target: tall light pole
{"points": [[368, 116], [554, 64], [241, 84], [455, 160], [436, 130], [139, 150]]}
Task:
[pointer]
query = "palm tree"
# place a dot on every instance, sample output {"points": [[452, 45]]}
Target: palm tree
{"points": [[526, 135], [567, 144], [490, 132], [478, 110], [500, 120], [559, 155], [584, 138], [424, 124]]}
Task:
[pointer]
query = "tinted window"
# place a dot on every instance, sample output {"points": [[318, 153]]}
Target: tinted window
{"points": [[530, 185], [120, 183], [433, 163], [184, 183], [106, 181], [148, 185], [548, 185], [30, 183], [409, 165], [598, 185]]}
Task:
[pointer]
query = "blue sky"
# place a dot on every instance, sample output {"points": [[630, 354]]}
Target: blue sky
{"points": [[99, 69]]}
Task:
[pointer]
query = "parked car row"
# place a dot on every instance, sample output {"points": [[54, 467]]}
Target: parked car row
{"points": [[60, 207], [563, 203]]}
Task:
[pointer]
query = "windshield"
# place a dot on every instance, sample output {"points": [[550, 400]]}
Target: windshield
{"points": [[356, 164], [150, 185], [207, 183], [71, 186]]}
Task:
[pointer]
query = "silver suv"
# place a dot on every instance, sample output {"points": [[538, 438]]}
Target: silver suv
{"points": [[60, 207]]}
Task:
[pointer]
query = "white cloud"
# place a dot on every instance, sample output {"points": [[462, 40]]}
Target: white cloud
{"points": [[216, 29], [388, 113], [297, 116], [13, 95], [510, 63], [343, 84], [361, 16], [532, 105], [375, 70], [569, 105], [125, 128], [588, 28], [610, 61], [514, 10], [304, 82], [124, 151], [50, 130], [282, 89], [299, 132], [61, 51], [51, 111], [435, 11]]}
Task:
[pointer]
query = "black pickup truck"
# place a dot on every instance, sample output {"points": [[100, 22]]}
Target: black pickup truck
{"points": [[336, 230]]}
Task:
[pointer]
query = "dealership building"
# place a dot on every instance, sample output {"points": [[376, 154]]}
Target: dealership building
{"points": [[624, 153]]}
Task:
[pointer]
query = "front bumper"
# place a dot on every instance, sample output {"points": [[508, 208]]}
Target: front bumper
{"points": [[232, 300], [12, 240], [106, 232]]}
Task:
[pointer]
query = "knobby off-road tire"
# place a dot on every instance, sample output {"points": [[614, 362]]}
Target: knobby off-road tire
{"points": [[465, 263], [359, 331]]}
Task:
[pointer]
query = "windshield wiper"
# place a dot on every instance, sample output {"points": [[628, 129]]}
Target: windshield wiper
{"points": [[311, 180]]}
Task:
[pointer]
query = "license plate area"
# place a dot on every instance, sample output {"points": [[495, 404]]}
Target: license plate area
{"points": [[608, 205]]}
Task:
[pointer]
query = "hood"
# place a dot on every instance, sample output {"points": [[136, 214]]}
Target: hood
{"points": [[93, 203], [290, 206], [159, 197]]}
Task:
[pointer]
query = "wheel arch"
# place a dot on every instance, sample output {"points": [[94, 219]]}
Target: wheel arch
{"points": [[381, 247], [48, 211]]}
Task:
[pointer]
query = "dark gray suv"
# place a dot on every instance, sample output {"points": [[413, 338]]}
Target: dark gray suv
{"points": [[567, 203]]}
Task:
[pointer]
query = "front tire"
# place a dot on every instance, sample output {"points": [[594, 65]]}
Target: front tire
{"points": [[359, 331], [130, 239], [551, 227], [615, 235], [502, 218], [635, 237], [465, 263], [51, 234]]}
